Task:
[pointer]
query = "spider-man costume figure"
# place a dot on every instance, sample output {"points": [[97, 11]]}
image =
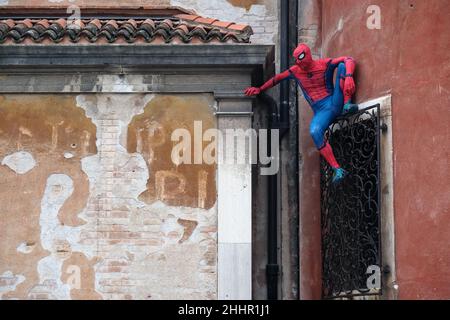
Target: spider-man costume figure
{"points": [[315, 78]]}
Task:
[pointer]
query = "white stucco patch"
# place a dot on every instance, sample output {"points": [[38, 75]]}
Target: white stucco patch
{"points": [[20, 162], [10, 281], [121, 83], [25, 248], [49, 269], [59, 188], [68, 155]]}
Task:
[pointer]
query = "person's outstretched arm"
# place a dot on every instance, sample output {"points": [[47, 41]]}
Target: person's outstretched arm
{"points": [[253, 91]]}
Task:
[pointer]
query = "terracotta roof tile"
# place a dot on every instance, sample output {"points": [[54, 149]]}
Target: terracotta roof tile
{"points": [[222, 24], [183, 28], [178, 28], [44, 23], [28, 23], [238, 27], [205, 20], [132, 22], [149, 22], [61, 22], [168, 23], [189, 17], [112, 23]]}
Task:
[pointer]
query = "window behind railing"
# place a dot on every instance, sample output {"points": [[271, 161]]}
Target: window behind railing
{"points": [[351, 210]]}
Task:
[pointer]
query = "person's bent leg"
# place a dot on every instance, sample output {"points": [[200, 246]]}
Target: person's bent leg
{"points": [[319, 124], [338, 92], [327, 153], [342, 101]]}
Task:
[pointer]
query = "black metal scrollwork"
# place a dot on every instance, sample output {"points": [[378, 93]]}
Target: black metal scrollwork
{"points": [[350, 211]]}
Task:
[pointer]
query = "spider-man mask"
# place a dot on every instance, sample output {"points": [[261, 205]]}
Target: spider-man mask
{"points": [[303, 57]]}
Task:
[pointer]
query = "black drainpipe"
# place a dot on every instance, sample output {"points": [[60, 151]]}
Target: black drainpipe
{"points": [[284, 65], [279, 119], [272, 267]]}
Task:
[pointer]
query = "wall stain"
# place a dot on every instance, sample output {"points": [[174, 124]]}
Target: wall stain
{"points": [[189, 227], [190, 185], [246, 4]]}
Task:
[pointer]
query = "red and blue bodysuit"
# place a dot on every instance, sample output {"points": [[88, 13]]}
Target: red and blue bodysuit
{"points": [[328, 100]]}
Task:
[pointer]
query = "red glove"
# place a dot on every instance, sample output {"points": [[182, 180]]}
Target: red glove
{"points": [[252, 91], [349, 86]]}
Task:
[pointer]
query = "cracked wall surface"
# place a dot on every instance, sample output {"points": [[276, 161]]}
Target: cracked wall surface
{"points": [[82, 217]]}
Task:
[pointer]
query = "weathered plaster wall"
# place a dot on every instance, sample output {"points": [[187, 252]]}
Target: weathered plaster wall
{"points": [[73, 225], [262, 16], [35, 134], [408, 58]]}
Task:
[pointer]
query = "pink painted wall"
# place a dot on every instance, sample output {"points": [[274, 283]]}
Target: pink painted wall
{"points": [[409, 57]]}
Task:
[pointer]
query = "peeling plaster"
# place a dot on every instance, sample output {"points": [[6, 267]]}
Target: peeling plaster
{"points": [[155, 225], [50, 270], [59, 188], [55, 237], [20, 162], [26, 248], [9, 281], [98, 167], [247, 4], [189, 227], [121, 83], [125, 248], [171, 229], [150, 135], [32, 123]]}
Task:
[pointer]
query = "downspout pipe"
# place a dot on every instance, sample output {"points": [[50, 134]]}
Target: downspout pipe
{"points": [[272, 267], [284, 65], [279, 119]]}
